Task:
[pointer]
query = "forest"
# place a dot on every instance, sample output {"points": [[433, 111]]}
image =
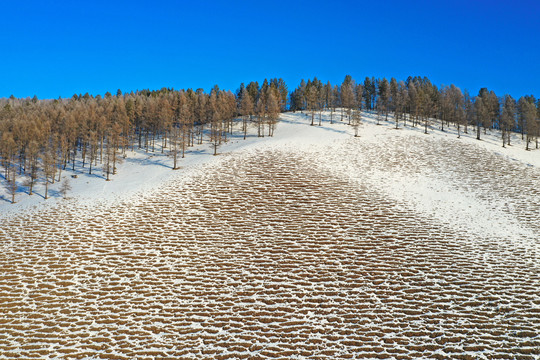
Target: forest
{"points": [[422, 103], [41, 138]]}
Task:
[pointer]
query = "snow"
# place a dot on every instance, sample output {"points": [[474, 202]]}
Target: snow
{"points": [[310, 243], [142, 171]]}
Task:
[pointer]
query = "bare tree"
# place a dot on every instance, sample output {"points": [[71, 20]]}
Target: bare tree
{"points": [[527, 110], [65, 186], [356, 120], [273, 113], [507, 118], [261, 114], [347, 97], [246, 109], [311, 97], [12, 185], [215, 121]]}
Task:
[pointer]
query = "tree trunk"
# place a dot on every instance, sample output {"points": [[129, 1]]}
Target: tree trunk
{"points": [[91, 160], [107, 165], [83, 155], [59, 172], [101, 150], [31, 185], [184, 141], [74, 156], [114, 161], [13, 187]]}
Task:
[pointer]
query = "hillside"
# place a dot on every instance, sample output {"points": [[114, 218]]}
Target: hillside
{"points": [[310, 244]]}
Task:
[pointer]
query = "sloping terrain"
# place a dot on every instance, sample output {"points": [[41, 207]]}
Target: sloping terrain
{"points": [[314, 244]]}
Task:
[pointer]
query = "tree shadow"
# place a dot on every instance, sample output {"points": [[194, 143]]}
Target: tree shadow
{"points": [[54, 194], [148, 161], [5, 198], [197, 152], [316, 125]]}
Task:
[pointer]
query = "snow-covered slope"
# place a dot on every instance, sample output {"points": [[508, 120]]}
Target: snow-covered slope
{"points": [[142, 171], [310, 244]]}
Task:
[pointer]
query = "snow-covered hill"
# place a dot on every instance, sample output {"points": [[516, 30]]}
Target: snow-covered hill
{"points": [[310, 244], [142, 171]]}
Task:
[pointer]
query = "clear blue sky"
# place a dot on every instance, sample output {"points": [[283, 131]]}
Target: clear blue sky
{"points": [[58, 48]]}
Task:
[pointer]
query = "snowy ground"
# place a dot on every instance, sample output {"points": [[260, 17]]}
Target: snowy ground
{"points": [[311, 244]]}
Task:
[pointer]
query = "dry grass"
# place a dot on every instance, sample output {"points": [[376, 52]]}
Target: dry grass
{"points": [[288, 260]]}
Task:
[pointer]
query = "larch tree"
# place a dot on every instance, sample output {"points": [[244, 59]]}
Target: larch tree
{"points": [[384, 98], [65, 187], [321, 100], [481, 110], [261, 115], [400, 102], [356, 118], [412, 102], [487, 110], [215, 120], [393, 95], [369, 92], [493, 110], [347, 96], [336, 99], [184, 115], [329, 94], [507, 119], [282, 93], [446, 105], [311, 98], [33, 151], [273, 110], [469, 110], [527, 110], [48, 167], [12, 185], [246, 110], [176, 130], [457, 110]]}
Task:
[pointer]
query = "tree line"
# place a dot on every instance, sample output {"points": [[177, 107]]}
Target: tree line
{"points": [[420, 102], [41, 138]]}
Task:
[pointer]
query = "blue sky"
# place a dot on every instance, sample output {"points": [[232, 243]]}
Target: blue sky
{"points": [[60, 48]]}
